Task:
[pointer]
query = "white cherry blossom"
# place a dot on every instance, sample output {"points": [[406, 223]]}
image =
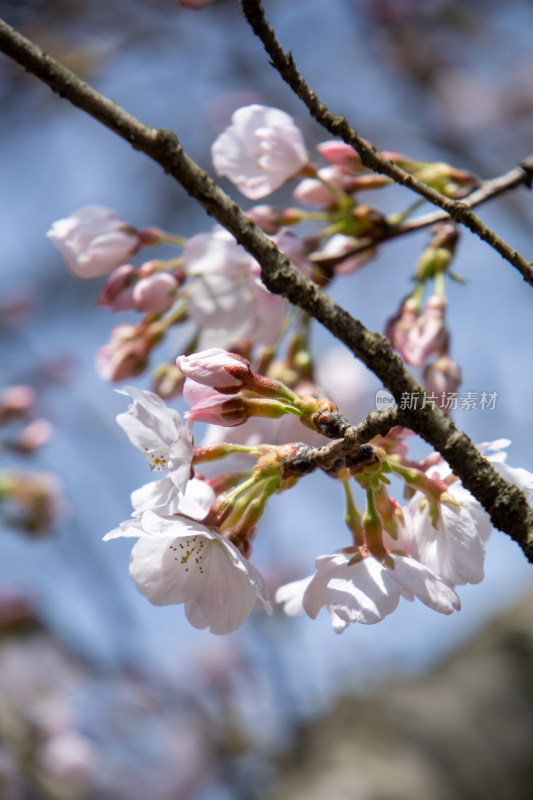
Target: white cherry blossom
{"points": [[365, 590], [159, 432], [179, 560], [259, 151], [227, 299], [454, 549]]}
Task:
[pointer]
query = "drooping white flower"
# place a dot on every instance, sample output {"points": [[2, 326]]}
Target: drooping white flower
{"points": [[159, 432], [93, 241], [179, 560], [259, 151], [365, 590], [454, 549]]}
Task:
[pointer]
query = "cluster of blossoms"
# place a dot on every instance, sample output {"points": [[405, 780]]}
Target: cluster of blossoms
{"points": [[214, 287], [195, 534]]}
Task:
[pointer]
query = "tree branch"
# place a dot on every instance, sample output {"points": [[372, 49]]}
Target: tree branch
{"points": [[337, 125], [504, 502], [521, 175]]}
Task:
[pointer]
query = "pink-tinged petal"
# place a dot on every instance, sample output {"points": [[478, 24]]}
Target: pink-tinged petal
{"points": [[214, 367], [260, 151], [156, 293], [94, 241], [340, 153]]}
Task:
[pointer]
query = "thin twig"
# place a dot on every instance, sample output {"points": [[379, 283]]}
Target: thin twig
{"points": [[505, 503], [337, 125], [488, 190]]}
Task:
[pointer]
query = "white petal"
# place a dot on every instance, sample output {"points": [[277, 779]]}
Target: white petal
{"points": [[167, 570], [420, 580], [291, 595], [152, 427], [130, 527], [161, 496]]}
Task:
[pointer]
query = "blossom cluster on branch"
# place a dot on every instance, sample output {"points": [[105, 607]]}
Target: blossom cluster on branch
{"points": [[195, 533]]}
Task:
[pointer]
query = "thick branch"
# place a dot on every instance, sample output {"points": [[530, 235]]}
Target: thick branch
{"points": [[504, 502], [458, 210]]}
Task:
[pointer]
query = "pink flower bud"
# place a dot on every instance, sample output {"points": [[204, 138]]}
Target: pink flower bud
{"points": [[314, 192], [118, 289], [16, 401], [260, 151], [428, 337], [340, 153], [155, 293], [442, 378], [93, 241], [126, 355], [167, 381], [268, 218], [223, 371], [399, 326], [34, 435], [208, 405]]}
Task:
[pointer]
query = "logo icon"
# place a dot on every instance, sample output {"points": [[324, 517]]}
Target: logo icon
{"points": [[384, 399]]}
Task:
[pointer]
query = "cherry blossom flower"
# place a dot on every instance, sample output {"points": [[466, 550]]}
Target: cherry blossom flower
{"points": [[179, 560], [158, 432], [454, 548], [364, 589], [93, 241], [227, 300], [260, 151]]}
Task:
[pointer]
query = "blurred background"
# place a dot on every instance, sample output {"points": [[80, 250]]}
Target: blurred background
{"points": [[103, 695]]}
